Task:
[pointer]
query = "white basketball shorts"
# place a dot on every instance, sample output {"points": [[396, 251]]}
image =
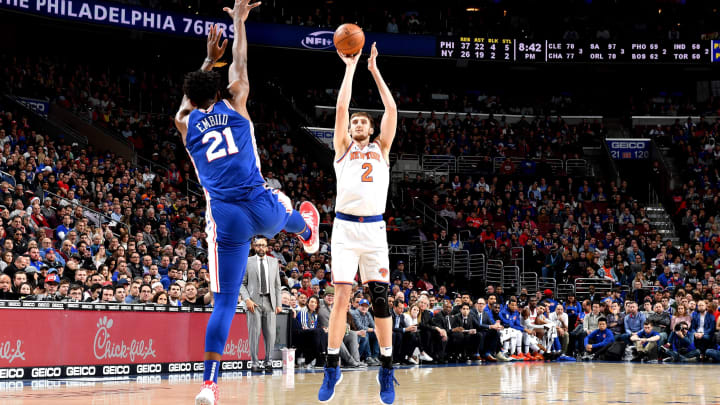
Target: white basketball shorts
{"points": [[360, 245]]}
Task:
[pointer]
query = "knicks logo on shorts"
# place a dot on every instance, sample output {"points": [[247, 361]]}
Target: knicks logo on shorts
{"points": [[384, 272]]}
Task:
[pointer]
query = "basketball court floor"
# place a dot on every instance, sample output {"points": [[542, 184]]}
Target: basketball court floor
{"points": [[515, 383]]}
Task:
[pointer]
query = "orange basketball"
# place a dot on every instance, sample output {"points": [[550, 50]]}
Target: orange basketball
{"points": [[349, 39]]}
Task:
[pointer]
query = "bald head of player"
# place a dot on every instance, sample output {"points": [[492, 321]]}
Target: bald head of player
{"points": [[361, 127], [202, 88]]}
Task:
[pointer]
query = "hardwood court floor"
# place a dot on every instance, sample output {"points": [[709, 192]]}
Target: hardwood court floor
{"points": [[517, 383]]}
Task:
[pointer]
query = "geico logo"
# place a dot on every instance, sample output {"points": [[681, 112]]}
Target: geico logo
{"points": [[114, 370], [149, 379], [44, 384], [198, 367], [36, 106], [46, 372], [174, 368], [14, 385], [628, 145], [179, 377], [12, 373], [149, 368], [232, 365], [79, 371]]}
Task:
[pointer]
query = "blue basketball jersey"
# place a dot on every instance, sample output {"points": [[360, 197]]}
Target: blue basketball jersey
{"points": [[221, 143]]}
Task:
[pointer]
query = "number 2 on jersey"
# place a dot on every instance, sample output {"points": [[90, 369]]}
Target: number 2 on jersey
{"points": [[366, 177], [215, 151]]}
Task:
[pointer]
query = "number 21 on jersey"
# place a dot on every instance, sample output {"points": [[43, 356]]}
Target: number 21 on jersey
{"points": [[217, 150], [366, 176]]}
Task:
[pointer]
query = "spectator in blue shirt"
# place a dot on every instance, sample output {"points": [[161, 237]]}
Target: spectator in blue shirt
{"points": [[665, 277], [634, 321], [368, 344], [573, 308], [646, 343], [599, 340]]}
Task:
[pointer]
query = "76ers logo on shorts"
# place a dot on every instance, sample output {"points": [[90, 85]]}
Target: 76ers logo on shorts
{"points": [[384, 272]]}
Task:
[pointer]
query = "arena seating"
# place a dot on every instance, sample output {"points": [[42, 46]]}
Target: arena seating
{"points": [[494, 203]]}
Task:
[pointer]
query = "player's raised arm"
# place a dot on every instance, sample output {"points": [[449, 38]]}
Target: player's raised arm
{"points": [[341, 140], [388, 125], [238, 76], [215, 51]]}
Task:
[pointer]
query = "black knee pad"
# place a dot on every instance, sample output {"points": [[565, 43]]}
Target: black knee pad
{"points": [[379, 296]]}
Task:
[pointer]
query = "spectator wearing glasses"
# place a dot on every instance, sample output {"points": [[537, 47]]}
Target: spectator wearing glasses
{"points": [[489, 339], [146, 294]]}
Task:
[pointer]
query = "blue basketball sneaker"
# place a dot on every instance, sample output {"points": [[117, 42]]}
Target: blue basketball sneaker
{"points": [[333, 376], [387, 381]]}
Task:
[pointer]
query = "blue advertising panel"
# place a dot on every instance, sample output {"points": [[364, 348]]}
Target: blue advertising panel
{"points": [[324, 135], [139, 18], [41, 107], [628, 148]]}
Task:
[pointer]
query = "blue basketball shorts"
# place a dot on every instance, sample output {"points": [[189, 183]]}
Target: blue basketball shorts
{"points": [[230, 228]]}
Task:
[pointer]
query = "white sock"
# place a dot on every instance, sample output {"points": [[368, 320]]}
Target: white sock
{"points": [[386, 351], [333, 351]]}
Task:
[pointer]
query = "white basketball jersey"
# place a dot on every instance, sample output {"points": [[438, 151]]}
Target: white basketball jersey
{"points": [[363, 177]]}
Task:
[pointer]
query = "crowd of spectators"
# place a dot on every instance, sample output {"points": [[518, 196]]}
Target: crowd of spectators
{"points": [[460, 99], [675, 103], [439, 325], [76, 219], [85, 225], [695, 199]]}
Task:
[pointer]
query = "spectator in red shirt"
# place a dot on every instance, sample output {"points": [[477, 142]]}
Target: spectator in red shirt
{"points": [[305, 286]]}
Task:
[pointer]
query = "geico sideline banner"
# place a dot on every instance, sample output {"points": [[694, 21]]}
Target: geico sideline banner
{"points": [[40, 343]]}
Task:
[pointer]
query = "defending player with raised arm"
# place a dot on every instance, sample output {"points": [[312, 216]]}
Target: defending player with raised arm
{"points": [[220, 140], [359, 238]]}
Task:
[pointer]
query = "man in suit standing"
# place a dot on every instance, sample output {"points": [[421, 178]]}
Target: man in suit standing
{"points": [[261, 292]]}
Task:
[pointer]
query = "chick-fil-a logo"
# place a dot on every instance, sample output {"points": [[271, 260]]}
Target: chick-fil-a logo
{"points": [[10, 353], [233, 349], [104, 348]]}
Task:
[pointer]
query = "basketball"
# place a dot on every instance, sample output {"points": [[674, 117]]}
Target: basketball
{"points": [[349, 39]]}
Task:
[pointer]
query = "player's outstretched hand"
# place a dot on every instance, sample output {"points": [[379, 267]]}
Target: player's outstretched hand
{"points": [[372, 60], [241, 9], [349, 60], [214, 50]]}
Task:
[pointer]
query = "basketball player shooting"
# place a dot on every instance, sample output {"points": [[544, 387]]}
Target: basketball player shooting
{"points": [[359, 238], [219, 137]]}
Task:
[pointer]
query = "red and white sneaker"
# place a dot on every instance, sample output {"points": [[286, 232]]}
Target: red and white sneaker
{"points": [[312, 220], [209, 394]]}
